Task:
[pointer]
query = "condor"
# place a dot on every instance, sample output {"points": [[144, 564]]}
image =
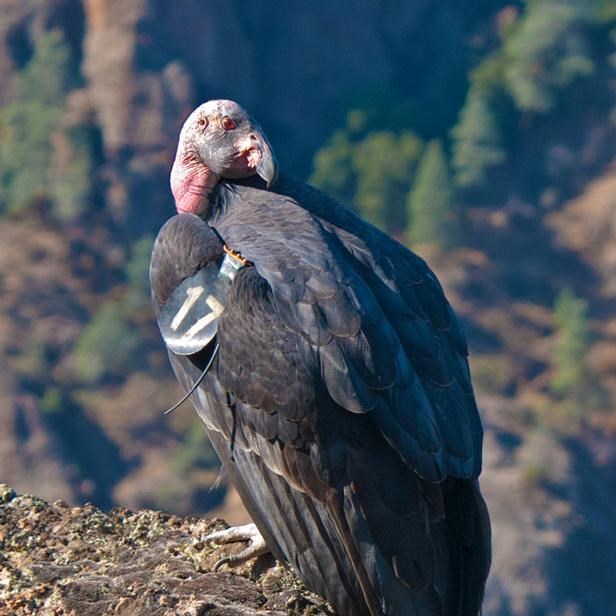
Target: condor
{"points": [[338, 395]]}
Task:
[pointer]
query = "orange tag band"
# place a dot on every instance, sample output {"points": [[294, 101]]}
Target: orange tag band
{"points": [[236, 255]]}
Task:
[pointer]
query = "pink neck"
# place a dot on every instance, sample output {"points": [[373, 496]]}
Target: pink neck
{"points": [[191, 184]]}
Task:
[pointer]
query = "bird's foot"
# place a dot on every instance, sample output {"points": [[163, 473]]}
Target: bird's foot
{"points": [[247, 532]]}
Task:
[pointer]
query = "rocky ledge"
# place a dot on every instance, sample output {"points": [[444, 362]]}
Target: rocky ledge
{"points": [[79, 561]]}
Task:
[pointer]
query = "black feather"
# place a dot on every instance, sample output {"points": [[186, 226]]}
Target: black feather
{"points": [[340, 401]]}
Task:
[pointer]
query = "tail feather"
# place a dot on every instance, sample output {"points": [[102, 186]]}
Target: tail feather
{"points": [[311, 545], [469, 537], [354, 550]]}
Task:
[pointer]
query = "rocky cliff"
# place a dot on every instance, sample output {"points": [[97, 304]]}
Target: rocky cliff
{"points": [[84, 375], [57, 560]]}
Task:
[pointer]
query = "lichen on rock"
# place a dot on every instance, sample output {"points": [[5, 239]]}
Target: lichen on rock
{"points": [[61, 560]]}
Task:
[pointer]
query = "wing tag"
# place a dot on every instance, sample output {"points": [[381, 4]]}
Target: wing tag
{"points": [[189, 319]]}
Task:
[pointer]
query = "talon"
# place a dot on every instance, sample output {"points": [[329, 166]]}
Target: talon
{"points": [[221, 562], [248, 532]]}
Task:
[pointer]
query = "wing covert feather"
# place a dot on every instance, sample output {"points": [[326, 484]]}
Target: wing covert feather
{"points": [[330, 335], [380, 333]]}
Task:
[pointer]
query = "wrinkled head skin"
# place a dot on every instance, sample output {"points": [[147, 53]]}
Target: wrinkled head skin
{"points": [[219, 140]]}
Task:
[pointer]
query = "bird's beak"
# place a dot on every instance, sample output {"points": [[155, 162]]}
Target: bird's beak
{"points": [[267, 167]]}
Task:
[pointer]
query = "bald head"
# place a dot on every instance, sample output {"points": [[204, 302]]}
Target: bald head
{"points": [[218, 140]]}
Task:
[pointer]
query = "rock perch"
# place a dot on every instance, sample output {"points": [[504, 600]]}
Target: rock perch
{"points": [[60, 560]]}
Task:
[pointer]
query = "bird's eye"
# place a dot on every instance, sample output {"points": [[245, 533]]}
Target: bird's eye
{"points": [[228, 123], [202, 122]]}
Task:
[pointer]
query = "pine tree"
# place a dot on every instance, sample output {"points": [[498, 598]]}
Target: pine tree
{"points": [[384, 163], [39, 157], [432, 216], [547, 51], [370, 171], [332, 167], [137, 296], [106, 346], [573, 339], [333, 163], [26, 125], [477, 140]]}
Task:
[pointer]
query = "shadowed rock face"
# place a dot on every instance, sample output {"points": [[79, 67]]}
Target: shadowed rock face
{"points": [[56, 559]]}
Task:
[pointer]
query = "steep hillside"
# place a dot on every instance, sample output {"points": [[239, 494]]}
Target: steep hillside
{"points": [[480, 135]]}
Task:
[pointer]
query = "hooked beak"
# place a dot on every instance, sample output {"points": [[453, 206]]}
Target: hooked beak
{"points": [[253, 154], [267, 167]]}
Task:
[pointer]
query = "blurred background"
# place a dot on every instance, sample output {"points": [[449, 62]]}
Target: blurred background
{"points": [[482, 134]]}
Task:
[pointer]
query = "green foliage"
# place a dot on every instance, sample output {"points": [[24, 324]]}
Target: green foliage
{"points": [[573, 339], [370, 171], [51, 402], [333, 168], [46, 78], [70, 183], [492, 373], [31, 361], [432, 216], [333, 163], [534, 475], [110, 344], [489, 77], [25, 152], [136, 271], [606, 11], [27, 124], [547, 50], [384, 163], [196, 451], [106, 346], [477, 141], [31, 133]]}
